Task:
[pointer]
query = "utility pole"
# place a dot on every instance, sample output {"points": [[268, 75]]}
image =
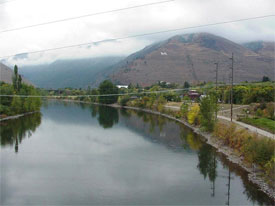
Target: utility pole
{"points": [[217, 66], [228, 187], [231, 99]]}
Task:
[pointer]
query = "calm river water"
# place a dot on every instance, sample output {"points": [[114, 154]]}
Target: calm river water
{"points": [[77, 154]]}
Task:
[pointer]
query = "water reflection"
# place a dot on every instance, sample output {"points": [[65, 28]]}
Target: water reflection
{"points": [[166, 162], [208, 164], [107, 116], [14, 131], [208, 157]]}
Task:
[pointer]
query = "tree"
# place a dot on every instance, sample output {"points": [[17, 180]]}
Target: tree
{"points": [[130, 86], [193, 114], [15, 78], [94, 98], [184, 107], [105, 88], [19, 82], [265, 79], [186, 85], [208, 107], [16, 105], [89, 90]]}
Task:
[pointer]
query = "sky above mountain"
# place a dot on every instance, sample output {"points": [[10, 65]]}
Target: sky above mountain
{"points": [[154, 18]]}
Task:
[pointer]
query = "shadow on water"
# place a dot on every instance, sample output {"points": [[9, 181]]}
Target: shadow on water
{"points": [[14, 131]]}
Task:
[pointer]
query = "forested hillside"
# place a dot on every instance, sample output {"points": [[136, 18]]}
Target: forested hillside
{"points": [[75, 73]]}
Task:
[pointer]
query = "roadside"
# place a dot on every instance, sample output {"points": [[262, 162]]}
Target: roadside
{"points": [[223, 114], [249, 127]]}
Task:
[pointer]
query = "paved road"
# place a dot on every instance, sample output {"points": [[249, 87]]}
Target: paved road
{"points": [[234, 108], [250, 127]]}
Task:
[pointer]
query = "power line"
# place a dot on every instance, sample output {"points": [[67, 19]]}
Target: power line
{"points": [[138, 35], [231, 92], [121, 94], [83, 16], [97, 95], [4, 2]]}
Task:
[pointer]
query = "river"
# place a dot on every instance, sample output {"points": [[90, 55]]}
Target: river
{"points": [[81, 154]]}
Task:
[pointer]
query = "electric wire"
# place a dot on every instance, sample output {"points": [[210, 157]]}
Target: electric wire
{"points": [[83, 16], [120, 94], [138, 35]]}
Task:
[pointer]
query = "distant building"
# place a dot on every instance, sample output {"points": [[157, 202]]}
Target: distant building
{"points": [[203, 96], [122, 86], [134, 97], [193, 94], [163, 53]]}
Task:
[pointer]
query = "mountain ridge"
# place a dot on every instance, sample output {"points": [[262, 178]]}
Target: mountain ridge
{"points": [[191, 57], [75, 73], [187, 57]]}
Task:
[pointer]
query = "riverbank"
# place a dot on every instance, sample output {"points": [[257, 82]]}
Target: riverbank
{"points": [[254, 175], [17, 116]]}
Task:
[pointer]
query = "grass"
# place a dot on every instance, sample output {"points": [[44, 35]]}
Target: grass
{"points": [[262, 123]]}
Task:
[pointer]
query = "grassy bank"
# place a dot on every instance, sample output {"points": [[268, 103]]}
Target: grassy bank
{"points": [[257, 152], [262, 123]]}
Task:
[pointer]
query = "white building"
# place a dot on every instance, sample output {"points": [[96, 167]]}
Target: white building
{"points": [[122, 86]]}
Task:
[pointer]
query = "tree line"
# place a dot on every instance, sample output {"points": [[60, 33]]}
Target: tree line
{"points": [[12, 105]]}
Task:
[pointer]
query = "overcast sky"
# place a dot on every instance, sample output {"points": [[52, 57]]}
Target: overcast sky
{"points": [[175, 14]]}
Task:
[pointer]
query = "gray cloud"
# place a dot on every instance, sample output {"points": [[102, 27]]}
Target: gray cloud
{"points": [[177, 14]]}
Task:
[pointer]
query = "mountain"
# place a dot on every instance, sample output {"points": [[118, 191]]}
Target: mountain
{"points": [[73, 73], [261, 48], [191, 58], [6, 74]]}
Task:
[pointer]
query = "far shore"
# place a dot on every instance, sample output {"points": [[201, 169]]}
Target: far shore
{"points": [[17, 116]]}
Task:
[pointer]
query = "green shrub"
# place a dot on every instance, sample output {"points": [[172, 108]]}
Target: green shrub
{"points": [[208, 107], [259, 112], [123, 100]]}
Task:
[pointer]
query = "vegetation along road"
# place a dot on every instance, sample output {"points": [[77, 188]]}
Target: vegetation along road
{"points": [[247, 126]]}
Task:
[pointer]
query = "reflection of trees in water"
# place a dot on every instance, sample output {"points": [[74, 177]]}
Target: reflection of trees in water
{"points": [[207, 155], [107, 116], [154, 121], [251, 190], [94, 110], [15, 130], [208, 164], [190, 140], [125, 113]]}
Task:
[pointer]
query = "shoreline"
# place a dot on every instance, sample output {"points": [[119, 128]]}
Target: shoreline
{"points": [[227, 151], [253, 176], [17, 116]]}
